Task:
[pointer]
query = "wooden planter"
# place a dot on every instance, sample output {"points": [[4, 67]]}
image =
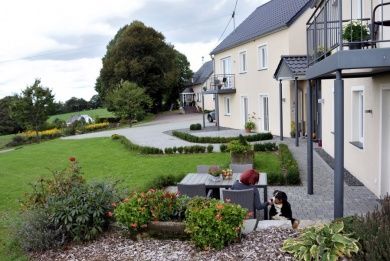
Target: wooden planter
{"points": [[167, 229], [242, 158]]}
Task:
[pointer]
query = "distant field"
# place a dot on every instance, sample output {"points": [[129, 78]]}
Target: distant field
{"points": [[93, 113]]}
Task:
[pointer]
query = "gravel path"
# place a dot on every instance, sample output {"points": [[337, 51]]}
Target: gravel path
{"points": [[260, 245]]}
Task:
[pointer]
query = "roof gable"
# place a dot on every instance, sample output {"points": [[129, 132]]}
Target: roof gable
{"points": [[203, 73], [267, 18], [291, 67]]}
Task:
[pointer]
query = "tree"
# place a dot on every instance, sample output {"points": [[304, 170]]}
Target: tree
{"points": [[33, 106], [138, 54], [76, 104], [8, 123], [95, 102], [128, 101]]}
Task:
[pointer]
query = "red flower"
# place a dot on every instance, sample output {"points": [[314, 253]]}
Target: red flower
{"points": [[72, 159], [109, 214], [219, 206], [249, 214], [134, 225]]}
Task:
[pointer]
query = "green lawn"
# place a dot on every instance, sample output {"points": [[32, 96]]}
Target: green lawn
{"points": [[4, 139], [102, 113], [100, 159]]}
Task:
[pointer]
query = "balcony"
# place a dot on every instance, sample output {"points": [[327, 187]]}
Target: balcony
{"points": [[339, 37], [221, 84]]}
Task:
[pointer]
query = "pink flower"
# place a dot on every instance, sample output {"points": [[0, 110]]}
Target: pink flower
{"points": [[109, 214]]}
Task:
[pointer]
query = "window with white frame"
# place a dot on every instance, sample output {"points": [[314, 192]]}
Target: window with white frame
{"points": [[263, 57], [358, 115], [243, 62], [227, 106]]}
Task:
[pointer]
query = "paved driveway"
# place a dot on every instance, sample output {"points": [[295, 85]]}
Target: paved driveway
{"points": [[152, 133]]}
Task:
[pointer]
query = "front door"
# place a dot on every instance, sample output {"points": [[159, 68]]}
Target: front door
{"points": [[264, 113], [385, 180]]}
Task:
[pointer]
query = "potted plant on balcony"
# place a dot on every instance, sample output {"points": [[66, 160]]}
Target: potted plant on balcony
{"points": [[355, 33]]}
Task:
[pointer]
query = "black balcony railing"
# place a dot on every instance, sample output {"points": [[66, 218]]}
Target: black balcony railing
{"points": [[222, 81], [331, 29]]}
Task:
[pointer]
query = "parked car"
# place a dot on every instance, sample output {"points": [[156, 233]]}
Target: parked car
{"points": [[211, 116]]}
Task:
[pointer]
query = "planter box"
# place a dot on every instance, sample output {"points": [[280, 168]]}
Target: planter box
{"points": [[242, 158], [167, 229]]}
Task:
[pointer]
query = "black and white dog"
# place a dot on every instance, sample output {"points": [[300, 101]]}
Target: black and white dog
{"points": [[281, 209]]}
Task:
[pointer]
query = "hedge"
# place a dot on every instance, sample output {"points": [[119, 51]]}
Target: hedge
{"points": [[290, 165], [196, 126], [196, 139]]}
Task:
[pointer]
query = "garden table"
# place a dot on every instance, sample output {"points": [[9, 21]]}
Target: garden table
{"points": [[207, 179]]}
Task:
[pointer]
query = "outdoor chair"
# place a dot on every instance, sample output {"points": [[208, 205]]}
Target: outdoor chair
{"points": [[204, 168], [239, 168], [193, 190], [245, 198]]}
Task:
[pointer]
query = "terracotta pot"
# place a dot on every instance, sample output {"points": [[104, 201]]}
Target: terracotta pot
{"points": [[248, 130]]}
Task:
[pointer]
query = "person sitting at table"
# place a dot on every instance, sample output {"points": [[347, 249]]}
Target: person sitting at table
{"points": [[248, 180]]}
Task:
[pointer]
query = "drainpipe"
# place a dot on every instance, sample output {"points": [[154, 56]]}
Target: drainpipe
{"points": [[217, 109], [309, 139], [296, 114], [281, 110], [339, 146]]}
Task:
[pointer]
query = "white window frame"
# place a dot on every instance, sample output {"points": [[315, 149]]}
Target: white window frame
{"points": [[227, 106], [229, 61], [357, 114], [262, 113], [260, 57], [243, 62]]}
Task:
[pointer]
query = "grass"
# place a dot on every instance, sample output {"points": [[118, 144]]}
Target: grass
{"points": [[102, 113], [100, 159], [5, 139]]}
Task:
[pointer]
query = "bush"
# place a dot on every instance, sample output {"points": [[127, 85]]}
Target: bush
{"points": [[135, 212], [268, 146], [275, 179], [290, 165], [235, 146], [223, 147], [17, 141], [134, 147], [168, 151], [210, 148], [212, 223], [163, 181], [180, 150], [58, 123], [85, 211], [196, 126], [373, 231], [37, 232], [196, 139], [327, 242], [95, 126], [115, 136]]}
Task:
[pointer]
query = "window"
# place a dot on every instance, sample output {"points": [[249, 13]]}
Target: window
{"points": [[357, 9], [263, 57], [264, 113], [226, 65], [198, 97], [243, 62], [227, 106], [358, 115]]}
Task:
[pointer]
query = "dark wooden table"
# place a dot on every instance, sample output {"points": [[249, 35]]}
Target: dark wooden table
{"points": [[207, 179]]}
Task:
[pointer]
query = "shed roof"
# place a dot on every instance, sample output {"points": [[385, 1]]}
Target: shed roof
{"points": [[267, 18]]}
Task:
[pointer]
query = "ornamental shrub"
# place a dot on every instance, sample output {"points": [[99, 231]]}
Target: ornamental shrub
{"points": [[290, 165], [180, 150], [140, 208], [212, 223], [196, 126], [223, 147], [373, 231], [210, 148], [235, 146]]}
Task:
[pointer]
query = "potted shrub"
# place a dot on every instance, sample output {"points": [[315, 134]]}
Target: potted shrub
{"points": [[249, 126], [215, 172], [240, 151], [355, 33]]}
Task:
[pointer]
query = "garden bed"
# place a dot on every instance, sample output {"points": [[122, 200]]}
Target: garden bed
{"points": [[259, 245]]}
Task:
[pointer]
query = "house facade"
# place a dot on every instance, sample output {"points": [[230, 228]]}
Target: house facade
{"points": [[245, 62], [364, 72]]}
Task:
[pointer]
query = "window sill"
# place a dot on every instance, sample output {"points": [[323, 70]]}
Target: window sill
{"points": [[243, 72], [226, 114], [263, 69], [357, 144]]}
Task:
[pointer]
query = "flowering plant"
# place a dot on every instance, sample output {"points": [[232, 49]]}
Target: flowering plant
{"points": [[227, 174], [250, 124], [215, 171]]}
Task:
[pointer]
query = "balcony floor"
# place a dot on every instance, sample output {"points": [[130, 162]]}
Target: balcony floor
{"points": [[221, 91], [354, 63]]}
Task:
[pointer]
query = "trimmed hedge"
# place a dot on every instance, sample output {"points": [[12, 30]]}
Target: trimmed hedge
{"points": [[152, 150], [196, 126], [195, 139], [223, 147], [290, 165], [269, 146]]}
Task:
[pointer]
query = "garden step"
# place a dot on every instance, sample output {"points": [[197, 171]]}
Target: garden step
{"points": [[264, 224]]}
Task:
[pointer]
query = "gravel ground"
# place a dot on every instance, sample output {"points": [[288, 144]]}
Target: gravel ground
{"points": [[259, 245]]}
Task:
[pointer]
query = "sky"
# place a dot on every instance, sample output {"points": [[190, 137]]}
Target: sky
{"points": [[62, 42]]}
